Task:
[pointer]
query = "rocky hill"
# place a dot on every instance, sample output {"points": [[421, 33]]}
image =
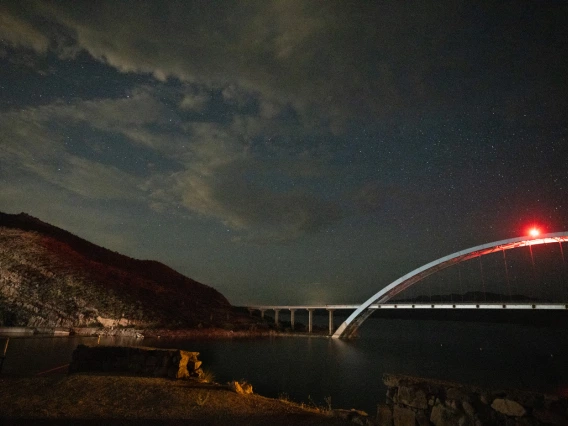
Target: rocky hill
{"points": [[52, 278]]}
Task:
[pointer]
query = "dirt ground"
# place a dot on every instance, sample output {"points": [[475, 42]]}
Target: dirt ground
{"points": [[126, 400]]}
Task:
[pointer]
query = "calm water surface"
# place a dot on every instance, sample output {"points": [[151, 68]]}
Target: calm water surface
{"points": [[350, 372]]}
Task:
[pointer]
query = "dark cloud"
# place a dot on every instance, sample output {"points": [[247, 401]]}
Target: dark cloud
{"points": [[311, 56], [334, 62]]}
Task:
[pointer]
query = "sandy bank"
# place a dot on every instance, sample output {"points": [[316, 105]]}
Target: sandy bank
{"points": [[86, 399]]}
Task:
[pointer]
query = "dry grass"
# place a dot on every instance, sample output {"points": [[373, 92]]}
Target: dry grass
{"points": [[141, 400]]}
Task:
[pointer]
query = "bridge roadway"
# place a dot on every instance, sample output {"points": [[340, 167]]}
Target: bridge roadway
{"points": [[332, 308]]}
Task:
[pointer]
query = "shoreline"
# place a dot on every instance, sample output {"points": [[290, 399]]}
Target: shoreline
{"points": [[187, 333]]}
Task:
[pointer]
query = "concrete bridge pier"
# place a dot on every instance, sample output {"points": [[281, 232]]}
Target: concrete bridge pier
{"points": [[276, 312], [262, 311], [331, 327], [292, 314], [310, 319]]}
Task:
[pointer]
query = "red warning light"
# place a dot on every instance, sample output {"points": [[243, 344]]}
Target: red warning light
{"points": [[534, 232]]}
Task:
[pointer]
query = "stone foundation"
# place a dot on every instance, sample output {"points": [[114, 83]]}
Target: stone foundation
{"points": [[154, 362], [413, 401]]}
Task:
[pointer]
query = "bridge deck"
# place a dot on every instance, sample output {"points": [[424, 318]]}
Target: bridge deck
{"points": [[547, 306]]}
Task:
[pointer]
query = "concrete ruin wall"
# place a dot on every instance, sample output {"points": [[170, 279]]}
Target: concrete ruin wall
{"points": [[144, 361], [415, 401]]}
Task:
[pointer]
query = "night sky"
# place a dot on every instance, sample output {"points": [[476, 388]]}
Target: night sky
{"points": [[286, 151]]}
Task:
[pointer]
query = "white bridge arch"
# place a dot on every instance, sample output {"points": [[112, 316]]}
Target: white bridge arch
{"points": [[352, 323]]}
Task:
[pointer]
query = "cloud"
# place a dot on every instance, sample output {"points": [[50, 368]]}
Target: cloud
{"points": [[226, 181], [36, 141], [19, 32], [331, 62], [227, 172], [194, 99]]}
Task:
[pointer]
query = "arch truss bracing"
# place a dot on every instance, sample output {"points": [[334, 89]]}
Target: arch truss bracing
{"points": [[352, 323]]}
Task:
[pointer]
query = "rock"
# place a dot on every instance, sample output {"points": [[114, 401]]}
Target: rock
{"points": [[390, 380], [526, 399], [508, 407], [247, 388], [356, 416], [444, 416], [384, 415], [199, 374], [403, 416], [457, 394], [193, 365], [549, 417], [413, 397], [358, 421], [422, 419], [523, 421], [452, 403], [468, 408], [146, 361], [341, 413], [151, 361], [240, 388]]}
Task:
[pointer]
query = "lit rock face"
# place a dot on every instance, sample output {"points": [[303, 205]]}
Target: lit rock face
{"points": [[243, 388]]}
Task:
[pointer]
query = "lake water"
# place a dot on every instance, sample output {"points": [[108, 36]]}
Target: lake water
{"points": [[350, 372]]}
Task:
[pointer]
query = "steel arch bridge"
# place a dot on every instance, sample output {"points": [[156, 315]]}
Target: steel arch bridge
{"points": [[354, 321]]}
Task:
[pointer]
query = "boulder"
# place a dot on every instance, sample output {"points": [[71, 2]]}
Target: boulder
{"points": [[156, 362], [391, 380], [240, 388], [413, 397], [508, 407], [348, 414], [384, 415], [457, 394], [422, 419], [549, 417], [403, 416], [468, 408], [391, 394], [442, 415]]}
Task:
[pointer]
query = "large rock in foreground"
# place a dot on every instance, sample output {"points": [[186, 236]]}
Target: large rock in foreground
{"points": [[144, 361]]}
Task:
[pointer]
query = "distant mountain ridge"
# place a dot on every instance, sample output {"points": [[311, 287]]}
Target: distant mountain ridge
{"points": [[50, 277]]}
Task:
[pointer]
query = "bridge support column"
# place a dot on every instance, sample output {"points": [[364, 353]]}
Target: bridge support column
{"points": [[262, 311], [276, 312], [331, 327], [310, 319], [292, 312]]}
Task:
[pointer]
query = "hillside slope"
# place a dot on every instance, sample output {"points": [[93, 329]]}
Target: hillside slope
{"points": [[50, 277]]}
